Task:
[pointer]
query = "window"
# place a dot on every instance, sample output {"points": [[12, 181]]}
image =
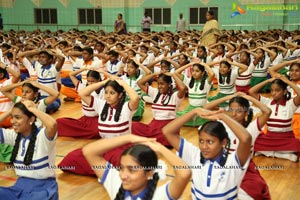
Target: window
{"points": [[197, 15], [90, 16], [159, 15], [45, 15]]}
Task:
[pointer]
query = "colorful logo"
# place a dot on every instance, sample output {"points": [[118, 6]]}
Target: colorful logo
{"points": [[237, 10]]}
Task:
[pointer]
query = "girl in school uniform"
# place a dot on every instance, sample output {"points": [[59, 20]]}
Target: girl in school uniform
{"points": [[30, 91], [239, 109], [33, 153], [115, 117], [227, 75], [164, 107], [5, 105], [136, 177], [279, 141], [198, 87], [294, 74], [262, 63], [216, 174], [87, 125], [131, 78]]}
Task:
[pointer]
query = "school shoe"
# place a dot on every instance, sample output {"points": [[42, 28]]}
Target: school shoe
{"points": [[289, 156]]}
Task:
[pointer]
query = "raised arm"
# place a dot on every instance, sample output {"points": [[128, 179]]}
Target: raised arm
{"points": [[143, 81], [53, 94], [181, 88], [8, 90], [244, 147], [48, 121], [254, 90], [182, 173], [241, 66], [273, 70], [294, 87], [93, 152], [85, 93], [133, 96], [15, 74]]}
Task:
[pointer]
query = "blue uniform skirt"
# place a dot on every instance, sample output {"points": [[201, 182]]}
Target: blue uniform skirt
{"points": [[33, 189]]}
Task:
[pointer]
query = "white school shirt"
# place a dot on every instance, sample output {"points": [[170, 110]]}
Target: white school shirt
{"points": [[43, 161], [281, 116], [5, 103], [293, 94], [254, 130], [113, 68], [41, 106], [262, 71], [47, 76], [112, 182], [30, 68], [161, 112], [210, 180], [132, 82], [226, 88], [93, 64], [109, 128], [86, 109], [197, 97], [244, 78]]}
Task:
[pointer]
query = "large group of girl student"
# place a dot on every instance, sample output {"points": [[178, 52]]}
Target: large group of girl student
{"points": [[226, 75], [198, 87], [33, 153], [47, 75], [137, 177], [262, 61], [216, 174], [279, 141], [294, 75], [239, 109], [115, 118], [242, 83], [131, 77], [87, 125], [164, 107], [5, 105], [87, 61]]}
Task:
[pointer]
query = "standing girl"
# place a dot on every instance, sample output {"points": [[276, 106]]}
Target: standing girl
{"points": [[198, 87], [216, 174], [136, 177], [279, 141], [164, 105], [87, 125], [33, 153], [114, 120]]}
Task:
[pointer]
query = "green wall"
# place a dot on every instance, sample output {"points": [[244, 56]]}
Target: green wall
{"points": [[21, 15]]}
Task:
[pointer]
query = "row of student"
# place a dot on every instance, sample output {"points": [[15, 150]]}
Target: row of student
{"points": [[136, 176], [118, 95]]}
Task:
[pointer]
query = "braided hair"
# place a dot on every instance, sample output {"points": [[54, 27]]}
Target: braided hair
{"points": [[216, 129], [169, 93], [204, 76], [30, 149], [246, 107], [35, 90], [120, 90], [228, 75], [147, 159]]}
